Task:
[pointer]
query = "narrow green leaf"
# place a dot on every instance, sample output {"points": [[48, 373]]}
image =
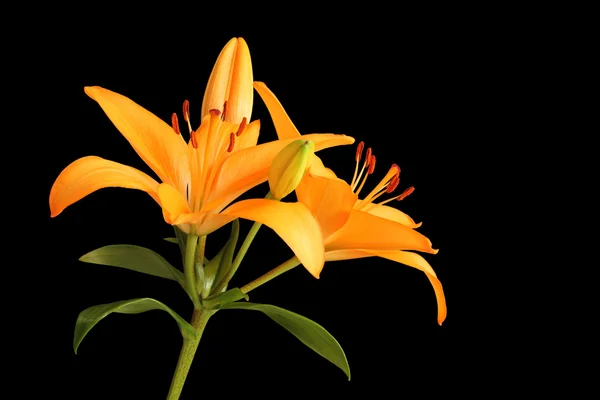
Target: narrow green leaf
{"points": [[172, 240], [181, 240], [307, 331], [89, 317], [215, 302], [135, 258], [227, 256]]}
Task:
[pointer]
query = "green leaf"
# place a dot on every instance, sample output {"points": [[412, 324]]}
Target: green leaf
{"points": [[217, 301], [215, 272], [89, 317], [172, 240], [308, 332], [135, 258]]}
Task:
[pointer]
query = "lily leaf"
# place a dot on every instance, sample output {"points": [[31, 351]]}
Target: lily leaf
{"points": [[214, 273], [135, 258], [307, 331], [89, 317], [172, 240], [217, 301]]}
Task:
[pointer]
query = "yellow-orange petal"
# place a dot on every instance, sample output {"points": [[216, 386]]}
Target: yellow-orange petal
{"points": [[249, 137], [231, 81], [319, 169], [330, 201], [172, 202], [367, 231], [283, 124], [203, 223], [153, 139], [403, 257], [249, 167], [392, 214], [293, 222], [88, 174]]}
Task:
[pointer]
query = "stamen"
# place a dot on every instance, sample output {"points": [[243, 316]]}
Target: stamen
{"points": [[186, 115], [175, 123], [406, 193], [231, 142], [371, 165], [193, 139], [186, 110], [224, 110], [241, 127], [393, 184], [215, 112], [359, 150], [365, 165]]}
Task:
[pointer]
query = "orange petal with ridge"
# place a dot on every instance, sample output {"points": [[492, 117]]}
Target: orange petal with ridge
{"points": [[88, 174]]}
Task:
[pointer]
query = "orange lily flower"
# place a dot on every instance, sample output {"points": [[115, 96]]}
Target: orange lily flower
{"points": [[200, 177], [352, 227]]}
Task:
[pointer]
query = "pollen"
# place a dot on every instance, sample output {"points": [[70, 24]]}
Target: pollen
{"points": [[231, 142], [193, 139], [241, 127], [406, 193], [175, 123], [372, 161], [359, 150]]}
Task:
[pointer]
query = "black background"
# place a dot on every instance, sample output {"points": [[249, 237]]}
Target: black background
{"points": [[419, 87]]}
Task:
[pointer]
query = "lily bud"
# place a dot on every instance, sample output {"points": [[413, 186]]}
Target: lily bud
{"points": [[231, 81], [289, 166]]}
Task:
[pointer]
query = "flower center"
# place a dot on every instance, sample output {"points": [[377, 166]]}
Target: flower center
{"points": [[387, 185]]}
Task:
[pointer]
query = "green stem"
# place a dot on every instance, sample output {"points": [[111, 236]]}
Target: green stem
{"points": [[241, 253], [274, 273], [188, 350], [189, 268]]}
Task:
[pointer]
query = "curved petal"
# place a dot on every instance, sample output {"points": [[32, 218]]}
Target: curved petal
{"points": [[153, 140], [283, 124], [88, 174], [319, 169], [172, 202], [249, 167], [393, 214], [293, 222], [367, 231], [231, 81], [329, 200], [403, 257]]}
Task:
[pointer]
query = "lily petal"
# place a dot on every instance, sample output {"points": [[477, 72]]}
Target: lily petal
{"points": [[393, 214], [250, 136], [367, 231], [172, 202], [283, 124], [153, 140], [249, 167], [319, 169], [231, 81], [88, 174], [330, 201], [203, 222], [403, 257], [293, 222]]}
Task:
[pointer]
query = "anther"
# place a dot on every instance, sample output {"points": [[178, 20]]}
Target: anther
{"points": [[372, 161], [406, 193], [397, 168], [393, 184], [359, 150], [368, 157], [241, 127], [224, 110], [175, 123], [214, 112], [231, 142], [186, 111], [193, 139]]}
